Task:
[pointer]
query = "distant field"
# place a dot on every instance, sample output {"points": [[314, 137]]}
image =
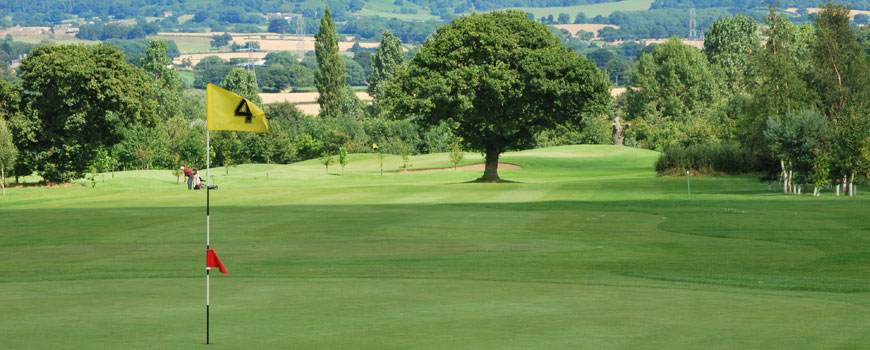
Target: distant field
{"points": [[812, 10], [385, 8], [694, 43], [592, 28], [57, 39], [187, 44], [184, 18], [305, 101], [592, 10], [586, 249], [186, 77], [196, 57], [198, 45]]}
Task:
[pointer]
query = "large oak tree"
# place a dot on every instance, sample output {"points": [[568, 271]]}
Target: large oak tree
{"points": [[498, 78], [77, 99]]}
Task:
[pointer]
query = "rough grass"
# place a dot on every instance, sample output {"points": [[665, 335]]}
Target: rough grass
{"points": [[587, 249]]}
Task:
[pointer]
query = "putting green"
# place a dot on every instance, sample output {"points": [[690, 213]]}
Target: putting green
{"points": [[587, 249]]}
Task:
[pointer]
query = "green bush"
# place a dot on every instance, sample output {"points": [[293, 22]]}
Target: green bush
{"points": [[707, 159]]}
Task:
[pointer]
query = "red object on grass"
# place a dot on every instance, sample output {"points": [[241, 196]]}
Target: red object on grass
{"points": [[212, 260]]}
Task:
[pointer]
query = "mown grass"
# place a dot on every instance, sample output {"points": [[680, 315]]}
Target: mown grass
{"points": [[587, 249]]}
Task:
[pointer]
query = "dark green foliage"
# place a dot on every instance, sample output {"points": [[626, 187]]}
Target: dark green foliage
{"points": [[658, 23], [82, 99], [370, 28], [280, 26], [862, 34], [841, 72], [706, 159], [167, 87], [110, 31], [354, 73], [277, 77], [221, 40], [601, 56], [388, 59], [499, 78], [747, 4], [840, 63], [243, 83], [730, 44], [134, 49], [593, 131], [674, 98], [618, 70], [282, 71], [330, 78], [780, 81], [210, 70], [800, 139], [11, 49]]}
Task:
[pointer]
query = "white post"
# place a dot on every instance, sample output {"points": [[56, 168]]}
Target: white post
{"points": [[207, 231]]}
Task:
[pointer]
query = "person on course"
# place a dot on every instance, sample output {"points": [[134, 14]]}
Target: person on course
{"points": [[197, 185], [189, 175]]}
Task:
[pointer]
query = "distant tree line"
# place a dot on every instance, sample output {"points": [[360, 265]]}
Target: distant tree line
{"points": [[749, 4], [794, 107]]}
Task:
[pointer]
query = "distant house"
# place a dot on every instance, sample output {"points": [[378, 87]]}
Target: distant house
{"points": [[167, 14], [259, 63]]}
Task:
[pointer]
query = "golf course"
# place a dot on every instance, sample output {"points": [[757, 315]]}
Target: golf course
{"points": [[584, 248]]}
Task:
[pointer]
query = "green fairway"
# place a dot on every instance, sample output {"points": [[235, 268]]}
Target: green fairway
{"points": [[587, 249]]}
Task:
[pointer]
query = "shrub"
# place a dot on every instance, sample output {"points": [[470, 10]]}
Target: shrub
{"points": [[706, 159]]}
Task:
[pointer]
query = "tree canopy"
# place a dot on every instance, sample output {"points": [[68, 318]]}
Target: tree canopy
{"points": [[499, 78], [672, 90], [79, 99], [730, 43]]}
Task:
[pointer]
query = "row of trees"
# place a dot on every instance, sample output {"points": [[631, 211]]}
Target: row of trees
{"points": [[797, 105], [794, 107]]}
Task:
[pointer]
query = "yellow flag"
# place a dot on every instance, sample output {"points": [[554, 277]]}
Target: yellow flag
{"points": [[374, 146], [228, 111]]}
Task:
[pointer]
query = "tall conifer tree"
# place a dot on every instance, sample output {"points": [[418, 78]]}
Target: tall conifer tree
{"points": [[167, 87], [388, 58], [330, 78]]}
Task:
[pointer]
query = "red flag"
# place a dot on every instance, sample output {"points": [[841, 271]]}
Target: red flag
{"points": [[212, 260]]}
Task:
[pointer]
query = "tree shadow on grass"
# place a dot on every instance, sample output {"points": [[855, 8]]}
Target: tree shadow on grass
{"points": [[499, 181]]}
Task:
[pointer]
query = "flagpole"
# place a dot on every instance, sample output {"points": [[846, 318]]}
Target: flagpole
{"points": [[207, 230]]}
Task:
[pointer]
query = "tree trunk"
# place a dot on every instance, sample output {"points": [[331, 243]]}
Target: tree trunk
{"points": [[490, 174], [784, 176], [3, 179], [845, 186], [619, 132], [838, 190], [851, 185], [816, 191]]}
